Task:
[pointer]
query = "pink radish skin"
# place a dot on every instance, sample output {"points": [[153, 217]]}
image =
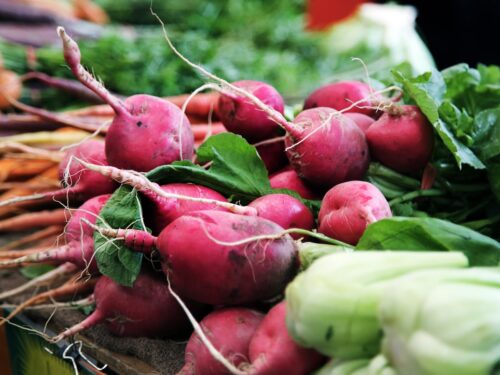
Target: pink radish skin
{"points": [[242, 117], [348, 208], [272, 351], [146, 131], [273, 155], [340, 95], [331, 155], [402, 139], [79, 248], [162, 211], [145, 310], [230, 331], [284, 210], [226, 274], [288, 179], [363, 121]]}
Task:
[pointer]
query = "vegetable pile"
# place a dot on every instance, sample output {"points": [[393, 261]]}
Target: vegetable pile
{"points": [[368, 234]]}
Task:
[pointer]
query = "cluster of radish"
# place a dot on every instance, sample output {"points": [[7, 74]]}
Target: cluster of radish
{"points": [[219, 254]]}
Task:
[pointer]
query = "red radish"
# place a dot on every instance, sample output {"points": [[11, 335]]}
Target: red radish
{"points": [[146, 131], [241, 116], [230, 331], [272, 154], [289, 179], [402, 139], [79, 248], [196, 247], [284, 210], [363, 121], [82, 184], [147, 309], [160, 211], [326, 148], [272, 351], [340, 95], [348, 208]]}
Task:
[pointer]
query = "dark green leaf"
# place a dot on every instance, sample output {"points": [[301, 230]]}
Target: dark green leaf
{"points": [[400, 233], [428, 95], [236, 169], [36, 270], [113, 258], [494, 177], [487, 134]]}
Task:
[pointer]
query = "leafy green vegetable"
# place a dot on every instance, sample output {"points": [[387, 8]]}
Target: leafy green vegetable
{"points": [[424, 234], [115, 260]]}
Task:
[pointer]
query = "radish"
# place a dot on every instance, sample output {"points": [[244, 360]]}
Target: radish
{"points": [[146, 131], [241, 116], [326, 148], [230, 331], [79, 248], [81, 184], [402, 139], [284, 210], [340, 95], [272, 153], [348, 208], [145, 310], [272, 351], [363, 121], [288, 179], [161, 211]]}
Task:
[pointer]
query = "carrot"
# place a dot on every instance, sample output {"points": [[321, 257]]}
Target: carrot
{"points": [[34, 220], [200, 105], [48, 184], [42, 234], [10, 86], [87, 10], [201, 131], [11, 169], [69, 288]]}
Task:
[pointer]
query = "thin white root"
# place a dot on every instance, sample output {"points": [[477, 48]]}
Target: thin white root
{"points": [[56, 305], [199, 331]]}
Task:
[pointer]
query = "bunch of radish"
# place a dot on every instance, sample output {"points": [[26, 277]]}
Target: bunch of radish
{"points": [[215, 254]]}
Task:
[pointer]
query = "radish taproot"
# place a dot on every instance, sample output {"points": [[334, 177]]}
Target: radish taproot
{"points": [[340, 95], [272, 351], [241, 116], [348, 208], [284, 210], [402, 139], [146, 131], [230, 331], [146, 309], [79, 247]]}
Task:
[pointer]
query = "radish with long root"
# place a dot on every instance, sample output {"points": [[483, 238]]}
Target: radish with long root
{"points": [[402, 139], [323, 146], [213, 248], [241, 116], [146, 131], [147, 309], [230, 331], [81, 183], [348, 208], [79, 247]]}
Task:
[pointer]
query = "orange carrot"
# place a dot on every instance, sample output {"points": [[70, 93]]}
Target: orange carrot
{"points": [[43, 234], [13, 168], [202, 131], [34, 220]]}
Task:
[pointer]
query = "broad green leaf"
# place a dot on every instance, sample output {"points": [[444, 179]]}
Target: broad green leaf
{"points": [[428, 96], [487, 134], [113, 258], [236, 169], [401, 233]]}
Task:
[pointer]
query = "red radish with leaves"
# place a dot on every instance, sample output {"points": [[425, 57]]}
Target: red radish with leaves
{"points": [[363, 121], [289, 179], [272, 351], [146, 131], [284, 210], [348, 208], [341, 95], [145, 310], [241, 116], [272, 153], [79, 248], [230, 331], [402, 139]]}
